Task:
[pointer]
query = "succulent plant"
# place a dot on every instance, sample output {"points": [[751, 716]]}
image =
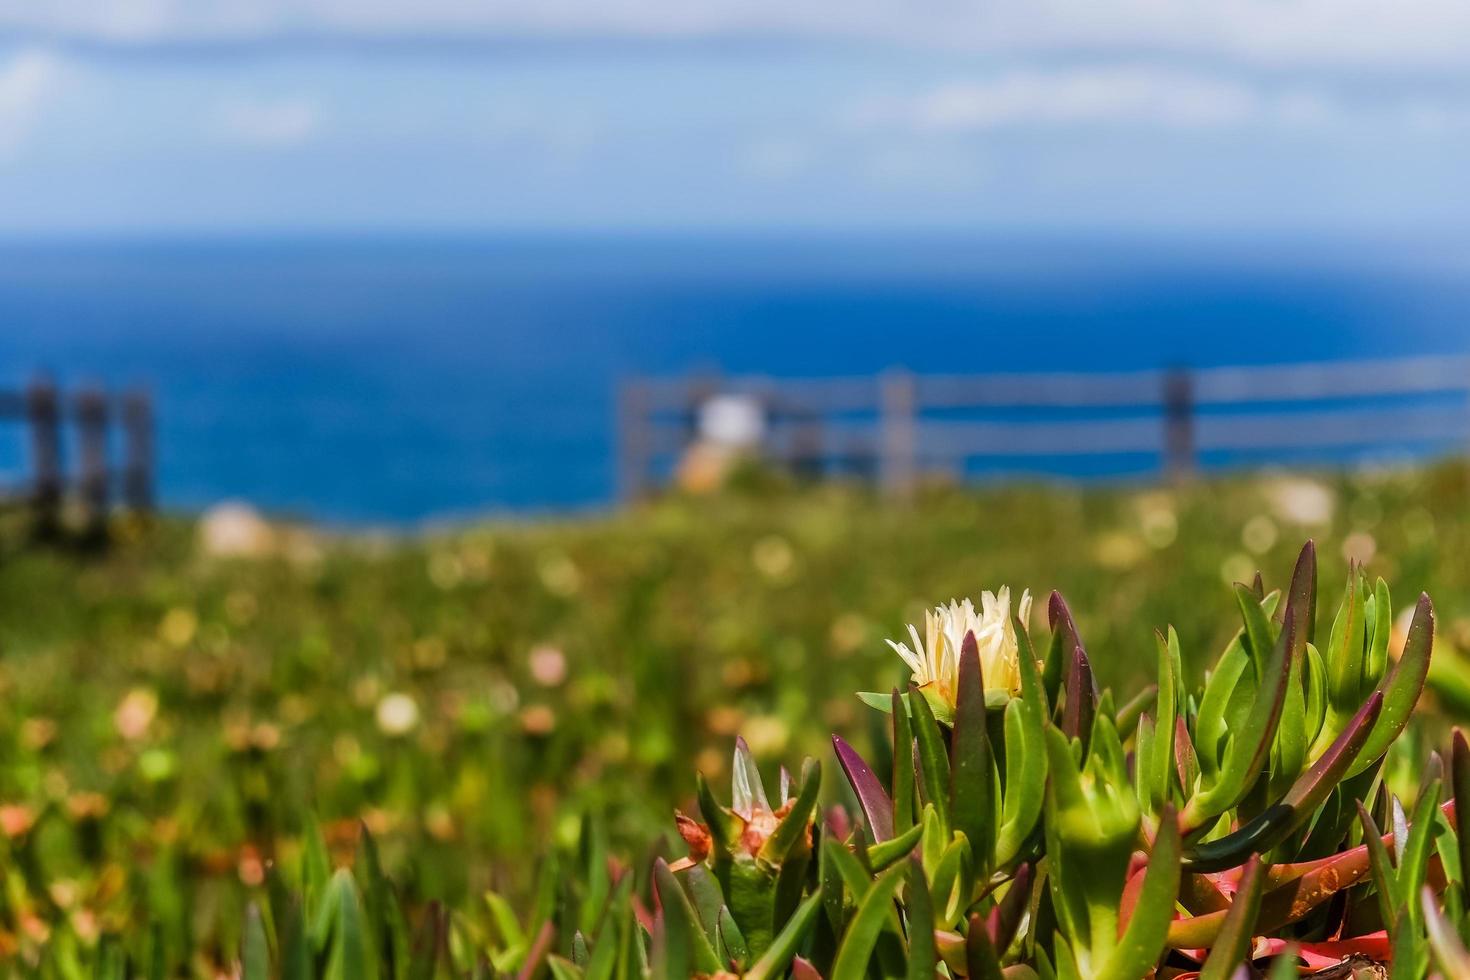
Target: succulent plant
{"points": [[1028, 828]]}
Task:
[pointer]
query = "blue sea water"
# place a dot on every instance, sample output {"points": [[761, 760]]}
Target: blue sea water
{"points": [[397, 380]]}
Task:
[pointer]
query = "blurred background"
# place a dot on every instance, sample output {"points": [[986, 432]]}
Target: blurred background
{"points": [[468, 417], [385, 262]]}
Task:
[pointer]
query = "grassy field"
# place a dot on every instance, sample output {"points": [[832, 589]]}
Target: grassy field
{"points": [[166, 715]]}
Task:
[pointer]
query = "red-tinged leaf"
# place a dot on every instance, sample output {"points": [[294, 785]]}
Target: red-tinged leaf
{"points": [[1233, 946], [1293, 891], [536, 955], [803, 970], [695, 834], [1282, 874], [1006, 917], [876, 806], [1320, 956], [981, 960], [1131, 889]]}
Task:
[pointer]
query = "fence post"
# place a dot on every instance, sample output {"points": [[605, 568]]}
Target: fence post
{"points": [[898, 433], [92, 469], [137, 420], [1179, 448], [44, 414], [632, 439], [806, 443]]}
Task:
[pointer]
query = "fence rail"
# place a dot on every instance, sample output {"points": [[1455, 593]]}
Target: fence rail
{"points": [[94, 416], [898, 424]]}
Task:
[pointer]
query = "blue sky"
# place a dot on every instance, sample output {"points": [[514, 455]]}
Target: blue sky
{"points": [[1134, 116]]}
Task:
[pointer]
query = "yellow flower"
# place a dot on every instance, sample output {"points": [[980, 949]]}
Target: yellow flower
{"points": [[935, 660]]}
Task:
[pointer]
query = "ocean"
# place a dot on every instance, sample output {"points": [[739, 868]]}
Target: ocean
{"points": [[393, 381]]}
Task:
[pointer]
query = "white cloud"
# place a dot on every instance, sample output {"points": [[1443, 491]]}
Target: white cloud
{"points": [[27, 80], [1128, 95], [266, 123], [1413, 35], [1112, 94]]}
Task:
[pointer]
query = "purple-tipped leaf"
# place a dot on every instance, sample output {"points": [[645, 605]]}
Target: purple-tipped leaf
{"points": [[877, 807], [1301, 600], [1080, 698]]}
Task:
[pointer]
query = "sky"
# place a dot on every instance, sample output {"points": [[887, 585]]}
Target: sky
{"points": [[1229, 117]]}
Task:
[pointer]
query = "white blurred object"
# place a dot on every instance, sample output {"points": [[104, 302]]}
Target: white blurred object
{"points": [[1299, 500], [235, 530], [732, 421]]}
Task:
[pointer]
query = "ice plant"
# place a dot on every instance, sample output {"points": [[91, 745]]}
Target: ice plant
{"points": [[1020, 824], [935, 659]]}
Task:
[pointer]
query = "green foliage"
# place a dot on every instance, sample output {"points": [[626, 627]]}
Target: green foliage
{"points": [[1218, 815]]}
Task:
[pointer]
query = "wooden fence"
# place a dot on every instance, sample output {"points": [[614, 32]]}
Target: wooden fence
{"points": [[897, 426], [94, 416]]}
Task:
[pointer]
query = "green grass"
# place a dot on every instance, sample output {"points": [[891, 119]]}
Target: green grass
{"points": [[679, 624]]}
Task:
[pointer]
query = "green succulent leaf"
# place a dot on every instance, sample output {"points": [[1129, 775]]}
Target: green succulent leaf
{"points": [[903, 765], [1025, 783], [1247, 751], [1280, 820], [1402, 685], [255, 956], [1147, 930], [1385, 878], [681, 921], [792, 832], [862, 933], [952, 879], [972, 776], [933, 759], [923, 958], [788, 941], [882, 856]]}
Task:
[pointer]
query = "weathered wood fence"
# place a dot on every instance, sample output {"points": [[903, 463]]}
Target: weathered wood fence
{"points": [[95, 416], [897, 426]]}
